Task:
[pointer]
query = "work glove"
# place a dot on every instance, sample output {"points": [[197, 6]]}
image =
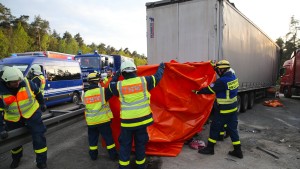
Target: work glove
{"points": [[195, 91], [162, 65], [43, 108], [3, 134]]}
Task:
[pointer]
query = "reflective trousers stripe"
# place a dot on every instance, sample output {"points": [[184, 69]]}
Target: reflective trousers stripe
{"points": [[41, 150], [140, 162], [211, 140], [110, 146], [124, 163], [236, 143], [17, 151], [93, 147]]}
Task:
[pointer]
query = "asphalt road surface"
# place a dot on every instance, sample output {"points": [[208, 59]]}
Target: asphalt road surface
{"points": [[270, 139]]}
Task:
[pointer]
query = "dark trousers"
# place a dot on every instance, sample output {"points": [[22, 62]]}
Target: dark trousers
{"points": [[106, 133], [37, 129], [141, 138], [215, 115], [218, 122]]}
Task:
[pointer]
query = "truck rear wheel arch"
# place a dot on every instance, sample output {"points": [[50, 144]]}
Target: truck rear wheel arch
{"points": [[251, 98], [238, 103], [244, 102], [287, 92]]}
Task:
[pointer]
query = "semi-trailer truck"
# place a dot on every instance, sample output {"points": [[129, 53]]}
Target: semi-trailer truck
{"points": [[202, 30], [290, 76]]}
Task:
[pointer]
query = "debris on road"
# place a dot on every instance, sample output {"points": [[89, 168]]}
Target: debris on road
{"points": [[197, 144], [282, 140], [273, 103], [263, 150]]}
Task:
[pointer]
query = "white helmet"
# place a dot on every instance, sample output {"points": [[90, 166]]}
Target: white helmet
{"points": [[36, 69], [128, 66], [12, 74]]}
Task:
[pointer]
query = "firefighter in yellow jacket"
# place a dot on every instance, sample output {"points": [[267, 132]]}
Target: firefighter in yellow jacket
{"points": [[98, 117], [136, 114], [22, 103]]}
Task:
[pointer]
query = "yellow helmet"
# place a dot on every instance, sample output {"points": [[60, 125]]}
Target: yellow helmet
{"points": [[222, 64], [93, 76]]}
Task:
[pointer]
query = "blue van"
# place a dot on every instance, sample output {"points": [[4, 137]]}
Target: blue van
{"points": [[63, 77]]}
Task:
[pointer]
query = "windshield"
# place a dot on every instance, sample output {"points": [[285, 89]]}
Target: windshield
{"points": [[88, 62], [21, 67]]}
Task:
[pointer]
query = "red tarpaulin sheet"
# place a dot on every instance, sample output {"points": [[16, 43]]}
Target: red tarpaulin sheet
{"points": [[178, 113]]}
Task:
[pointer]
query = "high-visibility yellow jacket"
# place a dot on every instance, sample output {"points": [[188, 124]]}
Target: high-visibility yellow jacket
{"points": [[97, 110], [24, 104], [135, 102]]}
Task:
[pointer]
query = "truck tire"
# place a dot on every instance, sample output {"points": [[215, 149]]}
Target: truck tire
{"points": [[244, 102], [287, 92], [238, 103], [75, 98], [251, 100]]}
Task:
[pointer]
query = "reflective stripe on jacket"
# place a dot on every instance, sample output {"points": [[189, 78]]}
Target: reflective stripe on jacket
{"points": [[23, 104], [135, 102], [97, 110], [227, 100]]}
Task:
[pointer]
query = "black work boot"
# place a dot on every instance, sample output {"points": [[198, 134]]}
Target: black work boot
{"points": [[15, 163], [41, 165], [208, 150], [237, 152]]}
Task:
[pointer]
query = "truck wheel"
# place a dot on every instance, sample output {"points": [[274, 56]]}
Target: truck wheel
{"points": [[244, 102], [287, 92], [75, 98], [251, 100], [238, 103]]}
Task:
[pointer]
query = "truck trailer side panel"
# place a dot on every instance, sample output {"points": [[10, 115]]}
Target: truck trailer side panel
{"points": [[202, 30], [173, 32], [196, 17], [252, 54], [162, 34]]}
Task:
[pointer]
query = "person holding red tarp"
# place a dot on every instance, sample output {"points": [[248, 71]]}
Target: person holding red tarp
{"points": [[135, 113], [226, 90], [176, 111]]}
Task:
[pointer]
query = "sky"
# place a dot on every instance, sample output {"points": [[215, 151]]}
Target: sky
{"points": [[122, 23]]}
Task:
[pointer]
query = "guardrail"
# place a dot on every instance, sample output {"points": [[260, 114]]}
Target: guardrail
{"points": [[54, 120]]}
